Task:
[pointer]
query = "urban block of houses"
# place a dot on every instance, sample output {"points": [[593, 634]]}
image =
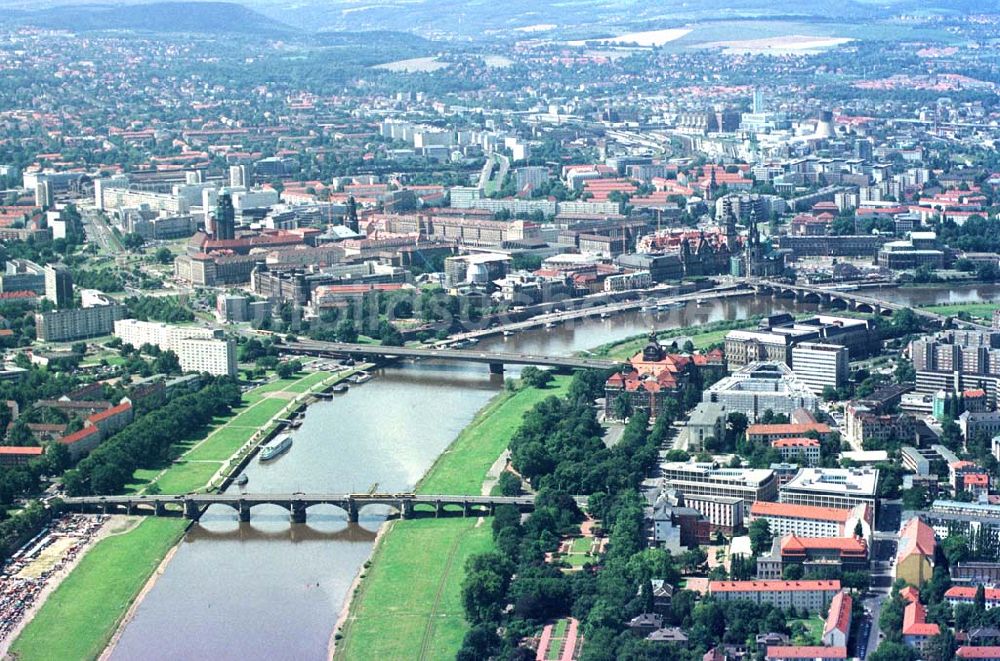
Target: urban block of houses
{"points": [[97, 427], [916, 629]]}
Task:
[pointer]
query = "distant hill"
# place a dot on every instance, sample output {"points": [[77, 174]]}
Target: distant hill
{"points": [[162, 17]]}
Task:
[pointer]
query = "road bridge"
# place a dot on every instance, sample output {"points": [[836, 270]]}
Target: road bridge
{"points": [[496, 360], [850, 300], [405, 505]]}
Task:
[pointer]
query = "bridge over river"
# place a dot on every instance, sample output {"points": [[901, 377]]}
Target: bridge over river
{"points": [[496, 360], [405, 505]]}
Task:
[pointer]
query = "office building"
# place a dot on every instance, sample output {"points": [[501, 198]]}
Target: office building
{"points": [[760, 387], [821, 365], [232, 308], [22, 275], [725, 513], [197, 349], [777, 335], [960, 594], [59, 285], [802, 450], [842, 488], [708, 479], [811, 521], [917, 631], [863, 424]]}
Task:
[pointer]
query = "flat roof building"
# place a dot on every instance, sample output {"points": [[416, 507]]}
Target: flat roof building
{"points": [[832, 487], [761, 387], [708, 479]]}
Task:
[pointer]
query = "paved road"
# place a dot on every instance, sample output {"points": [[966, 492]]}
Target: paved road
{"points": [[98, 231]]}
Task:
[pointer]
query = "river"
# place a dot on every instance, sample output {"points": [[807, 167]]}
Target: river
{"points": [[268, 589]]}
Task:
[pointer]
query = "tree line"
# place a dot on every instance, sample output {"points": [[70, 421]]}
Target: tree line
{"points": [[146, 443]]}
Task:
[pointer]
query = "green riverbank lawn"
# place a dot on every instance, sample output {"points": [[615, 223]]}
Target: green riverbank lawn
{"points": [[700, 336], [461, 468], [409, 605], [79, 618], [982, 311]]}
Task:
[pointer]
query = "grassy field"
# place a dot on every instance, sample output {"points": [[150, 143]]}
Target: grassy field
{"points": [[79, 618], [629, 347], [462, 467], [814, 630], [980, 311], [426, 556]]}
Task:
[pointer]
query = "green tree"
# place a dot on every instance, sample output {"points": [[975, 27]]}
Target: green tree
{"points": [[535, 378], [955, 549], [760, 536]]}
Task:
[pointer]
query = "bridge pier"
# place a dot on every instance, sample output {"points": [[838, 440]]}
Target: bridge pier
{"points": [[159, 509], [244, 511], [191, 510], [466, 508], [406, 509], [298, 512], [496, 368], [352, 511], [438, 508]]}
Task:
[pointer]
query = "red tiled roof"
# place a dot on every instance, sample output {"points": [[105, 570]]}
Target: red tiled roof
{"points": [[788, 428], [771, 586], [985, 652], [915, 621], [21, 450], [794, 543], [916, 537], [113, 411], [963, 592], [796, 442], [839, 617], [78, 436], [764, 508], [806, 652]]}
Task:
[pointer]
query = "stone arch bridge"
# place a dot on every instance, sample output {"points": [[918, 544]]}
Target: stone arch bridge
{"points": [[404, 505]]}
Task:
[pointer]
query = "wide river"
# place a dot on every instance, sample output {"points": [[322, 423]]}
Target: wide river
{"points": [[270, 590]]}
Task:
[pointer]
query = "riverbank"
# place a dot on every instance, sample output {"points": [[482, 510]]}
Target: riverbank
{"points": [[87, 609], [702, 337], [428, 555]]}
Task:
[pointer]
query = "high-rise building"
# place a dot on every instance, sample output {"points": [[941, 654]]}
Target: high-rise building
{"points": [[238, 176], [820, 365], [197, 349], [77, 323], [58, 285], [224, 225]]}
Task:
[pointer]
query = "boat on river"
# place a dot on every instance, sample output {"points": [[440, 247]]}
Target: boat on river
{"points": [[340, 388], [360, 377], [280, 446]]}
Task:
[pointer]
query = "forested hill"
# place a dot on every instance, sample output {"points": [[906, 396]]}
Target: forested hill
{"points": [[157, 17]]}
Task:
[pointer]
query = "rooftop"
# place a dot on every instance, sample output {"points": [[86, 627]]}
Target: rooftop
{"points": [[851, 482], [764, 508], [771, 586], [806, 652]]}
